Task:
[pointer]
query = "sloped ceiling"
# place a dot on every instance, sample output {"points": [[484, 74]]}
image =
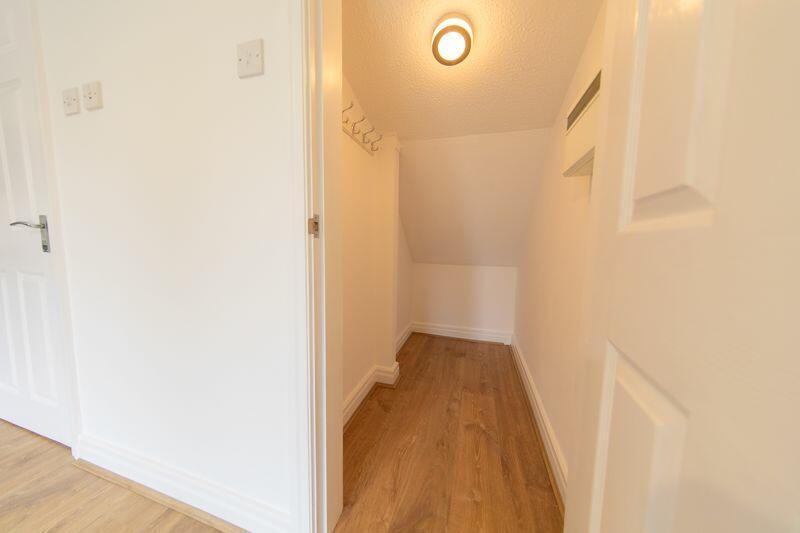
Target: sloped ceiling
{"points": [[465, 200], [523, 56], [473, 135]]}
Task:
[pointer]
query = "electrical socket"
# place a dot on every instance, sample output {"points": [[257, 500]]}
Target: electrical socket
{"points": [[92, 95], [72, 101], [250, 56]]}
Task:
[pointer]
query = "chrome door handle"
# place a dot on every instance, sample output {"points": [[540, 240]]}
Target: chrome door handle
{"points": [[28, 224], [42, 227]]}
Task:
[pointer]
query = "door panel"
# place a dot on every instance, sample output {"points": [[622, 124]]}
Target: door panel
{"points": [[679, 53], [35, 332], [693, 274], [15, 152], [8, 369], [33, 371], [667, 42], [646, 441]]}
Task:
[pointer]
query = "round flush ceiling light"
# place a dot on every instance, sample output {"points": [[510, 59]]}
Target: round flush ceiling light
{"points": [[452, 40]]}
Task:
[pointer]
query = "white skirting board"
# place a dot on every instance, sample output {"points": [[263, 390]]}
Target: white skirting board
{"points": [[403, 337], [458, 332], [206, 495], [387, 375], [555, 455]]}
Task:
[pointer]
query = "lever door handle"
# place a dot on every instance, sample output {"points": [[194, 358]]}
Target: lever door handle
{"points": [[28, 224], [42, 227]]}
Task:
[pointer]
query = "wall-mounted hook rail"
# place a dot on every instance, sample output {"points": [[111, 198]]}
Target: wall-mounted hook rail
{"points": [[365, 134], [360, 134], [345, 119], [356, 123]]}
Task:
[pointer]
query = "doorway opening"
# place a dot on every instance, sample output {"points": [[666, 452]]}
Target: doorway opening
{"points": [[446, 133]]}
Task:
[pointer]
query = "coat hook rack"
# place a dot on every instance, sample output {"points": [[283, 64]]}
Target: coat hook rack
{"points": [[345, 119], [357, 130], [356, 123], [365, 134]]}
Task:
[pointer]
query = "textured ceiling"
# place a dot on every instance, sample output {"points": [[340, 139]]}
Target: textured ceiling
{"points": [[523, 56], [466, 200]]}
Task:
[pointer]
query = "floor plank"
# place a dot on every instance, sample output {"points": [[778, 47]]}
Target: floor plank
{"points": [[41, 490], [451, 448]]}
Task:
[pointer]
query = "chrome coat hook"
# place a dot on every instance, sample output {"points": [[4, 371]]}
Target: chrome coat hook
{"points": [[345, 120], [362, 119], [373, 143], [364, 135]]}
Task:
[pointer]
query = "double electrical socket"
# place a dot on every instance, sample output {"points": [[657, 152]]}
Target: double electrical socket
{"points": [[92, 98]]}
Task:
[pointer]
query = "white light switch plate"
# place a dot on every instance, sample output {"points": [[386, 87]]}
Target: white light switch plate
{"points": [[72, 101], [250, 60], [92, 95]]}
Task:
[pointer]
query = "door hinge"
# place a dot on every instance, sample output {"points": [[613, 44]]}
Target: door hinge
{"points": [[313, 226]]}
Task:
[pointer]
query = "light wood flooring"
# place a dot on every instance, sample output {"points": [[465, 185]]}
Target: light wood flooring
{"points": [[42, 490], [452, 448]]}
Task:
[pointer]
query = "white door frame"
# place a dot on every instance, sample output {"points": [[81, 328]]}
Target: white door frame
{"points": [[322, 62]]}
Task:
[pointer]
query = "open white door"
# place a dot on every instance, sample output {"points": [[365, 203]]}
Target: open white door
{"points": [[33, 367], [693, 377]]}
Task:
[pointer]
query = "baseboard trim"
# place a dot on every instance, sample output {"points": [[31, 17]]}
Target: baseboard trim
{"points": [[386, 375], [206, 496], [554, 455], [459, 332], [167, 501], [403, 337]]}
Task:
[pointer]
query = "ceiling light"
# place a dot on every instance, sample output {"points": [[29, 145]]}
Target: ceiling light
{"points": [[452, 40]]}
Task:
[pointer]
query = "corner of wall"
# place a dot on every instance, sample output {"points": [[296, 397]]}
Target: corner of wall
{"points": [[549, 294], [555, 456], [403, 336], [386, 375]]}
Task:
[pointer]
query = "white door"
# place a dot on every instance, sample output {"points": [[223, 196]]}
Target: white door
{"points": [[693, 383], [33, 374]]}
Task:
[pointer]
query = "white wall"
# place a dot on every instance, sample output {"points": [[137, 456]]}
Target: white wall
{"points": [[464, 301], [183, 213], [369, 264], [405, 273], [465, 200], [551, 273]]}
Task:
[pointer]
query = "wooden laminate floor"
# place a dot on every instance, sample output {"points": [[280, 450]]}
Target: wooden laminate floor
{"points": [[451, 448], [41, 490]]}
